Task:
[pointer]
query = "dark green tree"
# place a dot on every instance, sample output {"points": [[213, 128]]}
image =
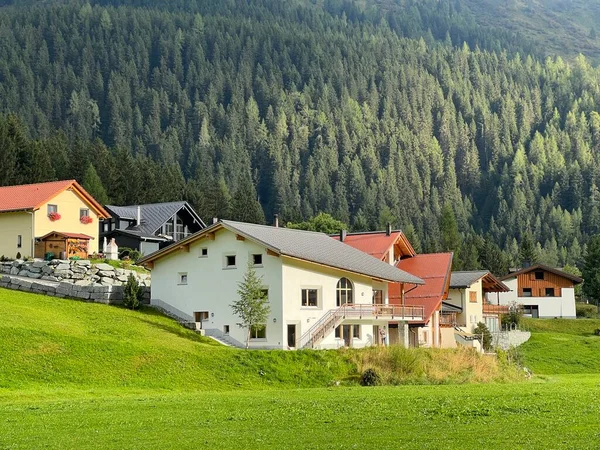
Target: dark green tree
{"points": [[93, 184], [591, 271]]}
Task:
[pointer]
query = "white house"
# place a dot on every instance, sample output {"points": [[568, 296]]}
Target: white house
{"points": [[322, 293], [544, 292]]}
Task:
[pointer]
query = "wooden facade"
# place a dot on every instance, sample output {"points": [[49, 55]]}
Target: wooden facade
{"points": [[63, 244], [549, 286]]}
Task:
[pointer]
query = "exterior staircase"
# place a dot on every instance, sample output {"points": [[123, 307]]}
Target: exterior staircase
{"points": [[335, 317]]}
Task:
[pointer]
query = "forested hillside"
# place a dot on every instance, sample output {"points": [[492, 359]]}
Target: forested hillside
{"points": [[403, 112]]}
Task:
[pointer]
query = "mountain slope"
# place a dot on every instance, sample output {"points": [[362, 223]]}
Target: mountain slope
{"points": [[559, 27]]}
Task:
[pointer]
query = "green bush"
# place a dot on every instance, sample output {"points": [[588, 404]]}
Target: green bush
{"points": [[130, 253], [370, 378], [513, 318], [586, 311], [482, 329], [132, 295]]}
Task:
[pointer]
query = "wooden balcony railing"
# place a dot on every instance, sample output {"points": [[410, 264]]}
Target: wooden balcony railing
{"points": [[495, 309], [448, 319]]}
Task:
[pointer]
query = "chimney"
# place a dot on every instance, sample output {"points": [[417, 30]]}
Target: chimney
{"points": [[388, 230], [342, 235], [139, 216], [215, 220], [276, 221]]}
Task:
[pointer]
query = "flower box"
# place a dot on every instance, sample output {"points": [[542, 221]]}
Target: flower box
{"points": [[86, 219], [54, 216]]}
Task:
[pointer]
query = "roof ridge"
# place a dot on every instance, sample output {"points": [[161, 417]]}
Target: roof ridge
{"points": [[38, 184]]}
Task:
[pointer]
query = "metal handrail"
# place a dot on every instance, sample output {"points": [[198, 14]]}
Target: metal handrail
{"points": [[357, 310]]}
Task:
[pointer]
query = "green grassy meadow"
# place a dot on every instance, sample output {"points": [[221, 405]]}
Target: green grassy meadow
{"points": [[80, 375]]}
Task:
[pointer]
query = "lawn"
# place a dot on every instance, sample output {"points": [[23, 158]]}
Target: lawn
{"points": [[562, 346], [82, 375], [561, 413]]}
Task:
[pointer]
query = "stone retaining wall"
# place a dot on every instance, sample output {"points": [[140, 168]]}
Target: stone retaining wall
{"points": [[73, 272], [91, 293], [79, 279]]}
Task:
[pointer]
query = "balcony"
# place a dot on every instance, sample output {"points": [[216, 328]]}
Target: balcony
{"points": [[495, 309], [448, 320], [381, 312]]}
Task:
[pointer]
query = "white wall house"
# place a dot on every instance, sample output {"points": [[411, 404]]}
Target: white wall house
{"points": [[544, 292], [308, 278]]}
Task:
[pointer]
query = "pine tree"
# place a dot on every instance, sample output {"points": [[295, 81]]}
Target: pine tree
{"points": [[93, 184], [252, 306], [528, 254], [591, 271]]}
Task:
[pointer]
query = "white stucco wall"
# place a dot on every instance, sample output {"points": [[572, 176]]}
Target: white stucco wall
{"points": [[212, 287], [300, 275], [549, 307]]}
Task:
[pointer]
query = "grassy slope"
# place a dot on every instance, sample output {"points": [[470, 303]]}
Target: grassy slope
{"points": [[562, 346], [560, 27], [80, 375], [49, 342]]}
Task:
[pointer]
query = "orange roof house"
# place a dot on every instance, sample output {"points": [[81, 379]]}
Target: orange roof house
{"points": [[389, 246], [393, 247], [31, 212]]}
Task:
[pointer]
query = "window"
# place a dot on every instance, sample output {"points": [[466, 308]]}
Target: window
{"points": [[539, 275], [203, 252], [309, 297], [226, 329], [106, 227], [344, 292], [526, 292], [258, 332], [183, 278], [230, 261], [549, 292], [52, 209], [84, 212], [199, 316], [345, 329], [257, 259], [19, 241], [473, 297]]}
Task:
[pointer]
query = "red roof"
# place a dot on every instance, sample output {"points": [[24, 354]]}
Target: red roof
{"points": [[68, 235], [377, 243], [435, 269], [27, 197]]}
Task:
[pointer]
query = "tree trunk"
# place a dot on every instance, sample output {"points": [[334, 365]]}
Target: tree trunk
{"points": [[248, 338]]}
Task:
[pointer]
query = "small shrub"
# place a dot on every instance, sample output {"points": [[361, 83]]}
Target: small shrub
{"points": [[370, 378], [513, 318], [482, 330], [18, 255], [132, 295], [586, 311], [130, 254]]}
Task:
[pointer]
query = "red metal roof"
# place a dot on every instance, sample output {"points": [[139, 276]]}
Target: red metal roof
{"points": [[435, 270], [27, 197], [376, 243]]}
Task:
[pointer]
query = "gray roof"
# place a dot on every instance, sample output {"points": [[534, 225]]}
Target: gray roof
{"points": [[320, 248], [466, 279], [449, 307], [153, 215]]}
